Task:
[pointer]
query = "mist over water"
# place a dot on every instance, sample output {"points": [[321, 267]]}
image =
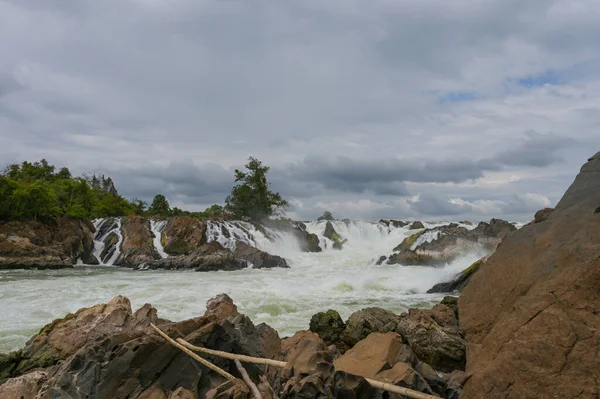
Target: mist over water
{"points": [[346, 280]]}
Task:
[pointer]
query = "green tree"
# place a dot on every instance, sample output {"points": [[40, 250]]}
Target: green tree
{"points": [[139, 206], [160, 206], [251, 198], [37, 200], [326, 216]]}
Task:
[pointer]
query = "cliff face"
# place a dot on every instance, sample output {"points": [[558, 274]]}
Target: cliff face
{"points": [[32, 244], [532, 312]]}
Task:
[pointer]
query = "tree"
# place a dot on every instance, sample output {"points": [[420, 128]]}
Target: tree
{"points": [[252, 199], [160, 206], [139, 205], [326, 216]]}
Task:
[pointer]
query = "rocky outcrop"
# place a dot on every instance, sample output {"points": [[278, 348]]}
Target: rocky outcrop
{"points": [[108, 351], [33, 244], [542, 215], [530, 313], [137, 247], [443, 244], [183, 234], [257, 258], [416, 225], [207, 257], [394, 223], [333, 235], [308, 242], [460, 281]]}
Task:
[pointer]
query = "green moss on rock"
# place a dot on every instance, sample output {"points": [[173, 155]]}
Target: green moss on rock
{"points": [[408, 242]]}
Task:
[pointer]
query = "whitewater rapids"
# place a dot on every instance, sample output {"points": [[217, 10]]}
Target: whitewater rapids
{"points": [[346, 280]]}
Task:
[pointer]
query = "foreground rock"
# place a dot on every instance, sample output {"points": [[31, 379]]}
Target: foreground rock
{"points": [[32, 244], [108, 351], [441, 245], [531, 313]]}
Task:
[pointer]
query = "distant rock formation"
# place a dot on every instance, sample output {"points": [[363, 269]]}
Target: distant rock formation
{"points": [[531, 313], [443, 244], [33, 244]]}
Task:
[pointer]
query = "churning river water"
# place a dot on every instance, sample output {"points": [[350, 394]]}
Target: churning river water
{"points": [[346, 280]]}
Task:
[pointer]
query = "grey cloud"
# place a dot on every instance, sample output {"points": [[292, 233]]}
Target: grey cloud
{"points": [[438, 205], [537, 150], [335, 96]]}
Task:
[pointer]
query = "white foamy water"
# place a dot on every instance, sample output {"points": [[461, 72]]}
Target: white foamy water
{"points": [[345, 280], [157, 226]]}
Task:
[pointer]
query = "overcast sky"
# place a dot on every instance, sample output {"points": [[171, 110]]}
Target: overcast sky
{"points": [[421, 109]]}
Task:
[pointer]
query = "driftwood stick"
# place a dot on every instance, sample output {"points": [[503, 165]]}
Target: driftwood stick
{"points": [[233, 356], [247, 379], [400, 390], [193, 355]]}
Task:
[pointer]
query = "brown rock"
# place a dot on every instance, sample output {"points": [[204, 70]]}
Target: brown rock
{"points": [[542, 215], [182, 234], [377, 357], [137, 247], [531, 312], [33, 244], [365, 321], [26, 386], [259, 259], [434, 336]]}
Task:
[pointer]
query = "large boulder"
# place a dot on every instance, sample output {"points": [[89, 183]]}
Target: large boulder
{"points": [[259, 259], [329, 325], [384, 357], [416, 225], [33, 244], [183, 234], [308, 242], [434, 336], [530, 313], [363, 322]]}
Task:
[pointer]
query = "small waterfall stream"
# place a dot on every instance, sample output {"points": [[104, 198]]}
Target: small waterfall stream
{"points": [[104, 229], [157, 227]]}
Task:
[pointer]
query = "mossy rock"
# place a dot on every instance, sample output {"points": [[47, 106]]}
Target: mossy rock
{"points": [[408, 242], [452, 303], [178, 247], [329, 325]]}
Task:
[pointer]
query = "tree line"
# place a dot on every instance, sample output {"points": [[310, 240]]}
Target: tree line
{"points": [[37, 190]]}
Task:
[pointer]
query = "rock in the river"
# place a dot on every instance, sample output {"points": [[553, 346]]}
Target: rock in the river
{"points": [[259, 259], [531, 313], [183, 234], [444, 244], [416, 225], [137, 247], [308, 242], [207, 257], [333, 236], [329, 325], [434, 336], [460, 280], [33, 244]]}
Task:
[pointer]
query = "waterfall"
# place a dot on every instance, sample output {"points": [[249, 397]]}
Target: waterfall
{"points": [[229, 233], [428, 236], [104, 228], [157, 227]]}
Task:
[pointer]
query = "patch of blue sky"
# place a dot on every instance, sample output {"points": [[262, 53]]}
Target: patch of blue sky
{"points": [[547, 78], [457, 97]]}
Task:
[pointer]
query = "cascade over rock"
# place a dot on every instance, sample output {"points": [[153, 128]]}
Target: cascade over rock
{"points": [[530, 314], [137, 246], [33, 244], [443, 244]]}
